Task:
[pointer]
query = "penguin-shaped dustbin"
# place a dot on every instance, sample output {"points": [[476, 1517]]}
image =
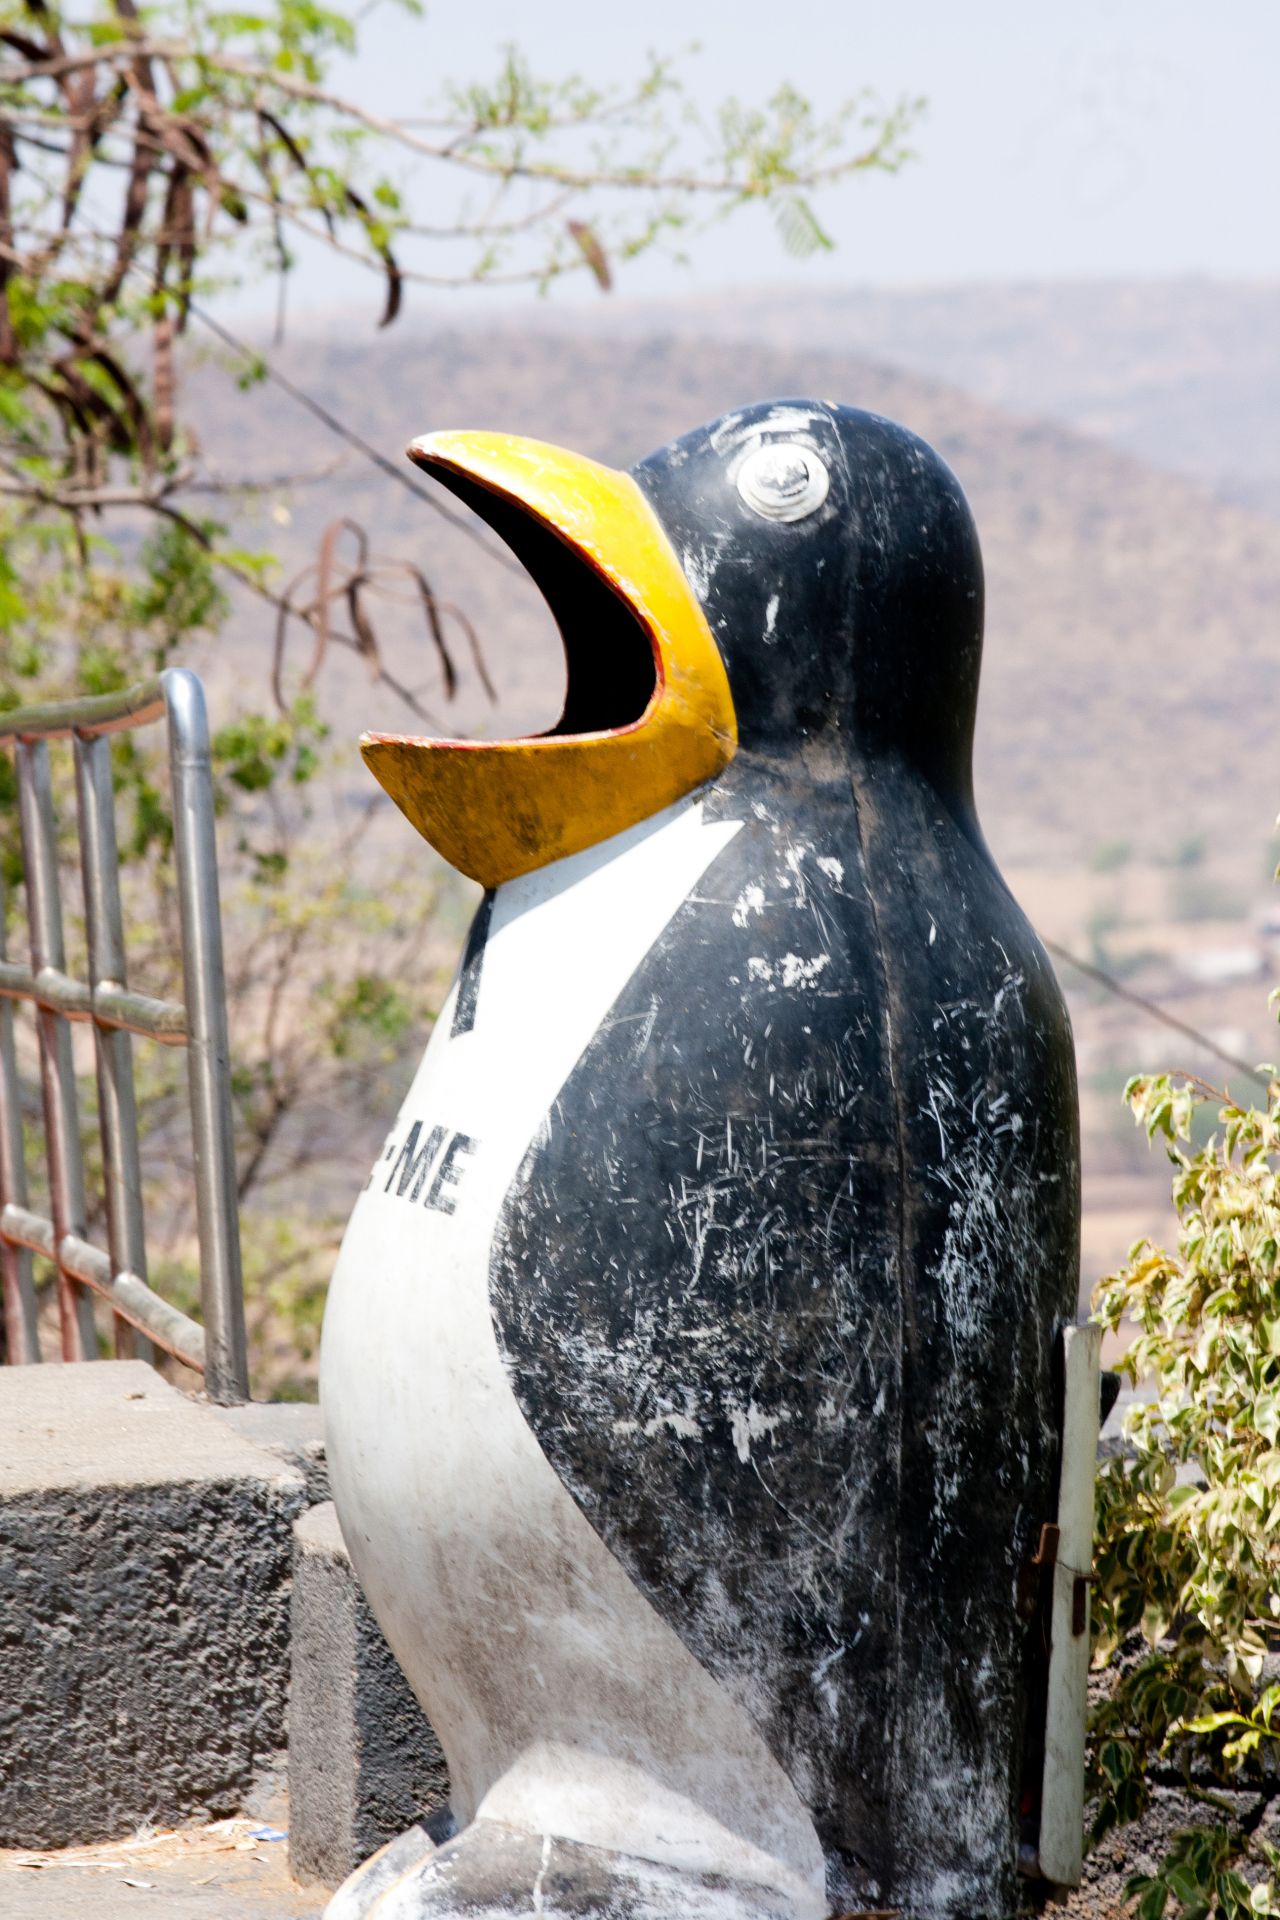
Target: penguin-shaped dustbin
{"points": [[689, 1366]]}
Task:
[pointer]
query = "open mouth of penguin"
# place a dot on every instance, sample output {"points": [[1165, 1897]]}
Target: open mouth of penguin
{"points": [[647, 714], [612, 660]]}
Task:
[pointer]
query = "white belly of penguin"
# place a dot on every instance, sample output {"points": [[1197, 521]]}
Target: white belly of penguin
{"points": [[564, 1703]]}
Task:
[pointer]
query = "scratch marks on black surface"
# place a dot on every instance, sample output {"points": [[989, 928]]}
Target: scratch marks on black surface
{"points": [[713, 1344], [702, 1347], [899, 1278]]}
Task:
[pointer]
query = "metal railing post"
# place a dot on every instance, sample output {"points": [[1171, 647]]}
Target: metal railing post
{"points": [[116, 1011], [113, 1048], [57, 1067], [22, 1345], [217, 1200]]}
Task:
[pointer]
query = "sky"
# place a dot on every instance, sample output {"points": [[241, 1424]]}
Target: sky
{"points": [[1099, 138]]}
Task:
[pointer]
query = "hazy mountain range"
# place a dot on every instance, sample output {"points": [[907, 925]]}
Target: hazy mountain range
{"points": [[1118, 443], [1183, 373], [1132, 675]]}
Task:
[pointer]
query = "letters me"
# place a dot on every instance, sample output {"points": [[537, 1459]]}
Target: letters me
{"points": [[440, 1157]]}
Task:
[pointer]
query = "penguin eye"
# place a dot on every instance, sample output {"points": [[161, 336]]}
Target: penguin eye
{"points": [[783, 481]]}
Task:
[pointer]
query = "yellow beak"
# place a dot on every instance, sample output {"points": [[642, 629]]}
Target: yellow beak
{"points": [[635, 636]]}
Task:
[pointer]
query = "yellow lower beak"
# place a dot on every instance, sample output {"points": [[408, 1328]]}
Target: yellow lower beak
{"points": [[496, 809]]}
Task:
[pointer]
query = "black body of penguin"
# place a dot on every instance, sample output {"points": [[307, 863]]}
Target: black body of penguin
{"points": [[775, 1277]]}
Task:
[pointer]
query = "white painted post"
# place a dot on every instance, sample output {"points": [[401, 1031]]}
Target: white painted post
{"points": [[1062, 1796]]}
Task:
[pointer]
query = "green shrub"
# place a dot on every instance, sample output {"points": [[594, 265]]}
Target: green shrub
{"points": [[1187, 1568]]}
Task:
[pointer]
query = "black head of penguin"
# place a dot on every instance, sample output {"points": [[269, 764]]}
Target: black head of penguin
{"points": [[838, 565], [794, 591]]}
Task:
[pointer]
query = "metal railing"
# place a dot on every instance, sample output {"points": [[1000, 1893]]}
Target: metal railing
{"points": [[217, 1349]]}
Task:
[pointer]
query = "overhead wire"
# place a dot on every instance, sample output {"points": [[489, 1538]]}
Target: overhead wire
{"points": [[356, 441], [337, 426], [1156, 1011]]}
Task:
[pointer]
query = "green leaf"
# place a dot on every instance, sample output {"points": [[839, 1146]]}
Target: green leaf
{"points": [[1155, 1898], [799, 227]]}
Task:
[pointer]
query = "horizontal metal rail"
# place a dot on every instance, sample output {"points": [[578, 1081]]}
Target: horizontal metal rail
{"points": [[116, 1012], [91, 714], [130, 1296], [105, 1004]]}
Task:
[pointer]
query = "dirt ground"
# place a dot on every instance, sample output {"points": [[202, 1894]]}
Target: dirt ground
{"points": [[239, 1870], [230, 1870]]}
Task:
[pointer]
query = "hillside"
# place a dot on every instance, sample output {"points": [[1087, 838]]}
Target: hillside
{"points": [[1183, 373], [1132, 671], [1126, 760]]}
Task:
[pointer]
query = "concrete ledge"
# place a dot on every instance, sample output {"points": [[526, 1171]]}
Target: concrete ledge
{"points": [[292, 1429], [364, 1763], [144, 1604]]}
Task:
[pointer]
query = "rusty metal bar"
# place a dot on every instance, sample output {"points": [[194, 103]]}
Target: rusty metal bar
{"points": [[113, 1049], [49, 988], [20, 1227], [162, 1020], [106, 1004], [209, 1063], [92, 713], [22, 1346], [116, 1012], [129, 1295], [57, 1069]]}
